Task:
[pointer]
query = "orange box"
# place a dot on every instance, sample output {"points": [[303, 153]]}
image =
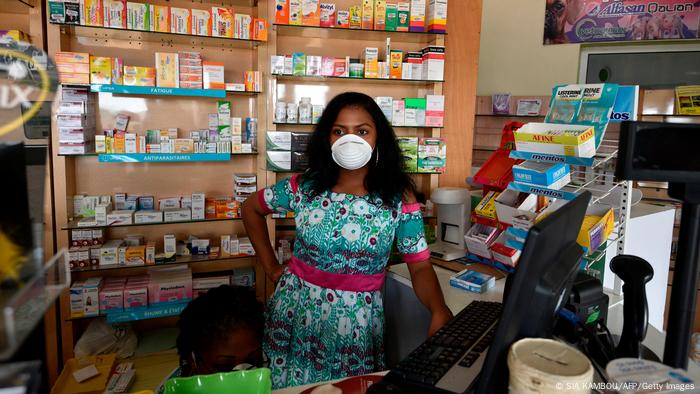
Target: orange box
{"points": [[282, 12], [80, 68], [367, 14], [201, 22], [222, 22], [210, 208], [180, 20], [77, 78], [311, 12], [184, 145], [160, 18], [93, 12], [119, 143], [72, 57], [260, 29]]}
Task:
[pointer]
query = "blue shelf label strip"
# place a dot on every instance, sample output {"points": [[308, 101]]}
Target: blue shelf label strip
{"points": [[158, 91], [146, 313], [552, 158], [162, 157], [542, 191]]}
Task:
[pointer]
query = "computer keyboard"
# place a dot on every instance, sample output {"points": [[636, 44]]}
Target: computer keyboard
{"points": [[451, 359]]}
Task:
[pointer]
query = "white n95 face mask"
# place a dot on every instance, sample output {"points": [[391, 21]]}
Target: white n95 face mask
{"points": [[351, 152]]}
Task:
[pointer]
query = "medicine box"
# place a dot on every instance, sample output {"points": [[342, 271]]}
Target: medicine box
{"points": [[91, 296], [516, 208], [549, 175], [243, 277], [160, 18], [300, 141], [279, 161], [93, 13], [328, 15], [371, 57], [200, 247], [169, 245], [111, 299], [395, 64], [222, 22], [479, 239], [487, 206], [434, 110], [432, 155], [180, 20], [147, 216], [198, 206], [437, 16], [114, 13], [277, 65], [404, 11], [201, 22], [298, 64], [310, 12], [138, 16], [557, 139], [473, 281], [392, 15], [281, 12], [379, 14], [177, 215], [295, 12], [77, 308], [243, 26], [355, 17], [503, 253], [136, 295], [278, 141], [409, 152], [120, 217], [414, 114], [300, 161], [100, 70], [433, 63], [398, 115], [367, 14], [417, 20], [387, 106], [313, 65], [135, 255], [597, 226]]}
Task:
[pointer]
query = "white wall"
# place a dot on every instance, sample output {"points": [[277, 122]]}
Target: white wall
{"points": [[512, 57]]}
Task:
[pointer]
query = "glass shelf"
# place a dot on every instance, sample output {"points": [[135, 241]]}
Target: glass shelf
{"points": [[110, 33], [165, 155], [343, 33], [159, 91], [240, 263], [511, 116], [151, 312], [300, 172], [395, 127], [73, 225], [24, 306], [326, 79]]}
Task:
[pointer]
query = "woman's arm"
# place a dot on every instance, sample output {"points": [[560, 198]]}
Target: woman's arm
{"points": [[256, 227], [427, 289]]}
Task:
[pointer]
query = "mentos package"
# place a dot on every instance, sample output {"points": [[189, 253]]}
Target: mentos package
{"points": [[589, 105]]}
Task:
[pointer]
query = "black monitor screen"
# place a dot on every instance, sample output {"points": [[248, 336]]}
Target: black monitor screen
{"points": [[665, 152]]}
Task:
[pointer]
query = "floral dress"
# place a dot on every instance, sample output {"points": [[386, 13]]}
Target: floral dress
{"points": [[325, 319]]}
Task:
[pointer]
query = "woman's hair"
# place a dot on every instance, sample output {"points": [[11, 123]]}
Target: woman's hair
{"points": [[214, 315], [386, 177]]}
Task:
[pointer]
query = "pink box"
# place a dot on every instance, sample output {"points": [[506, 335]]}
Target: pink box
{"points": [[111, 299], [171, 290], [136, 296]]}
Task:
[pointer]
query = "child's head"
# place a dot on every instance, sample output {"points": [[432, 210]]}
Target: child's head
{"points": [[220, 330], [359, 115]]}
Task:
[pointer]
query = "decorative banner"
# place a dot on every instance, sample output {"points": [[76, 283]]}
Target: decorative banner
{"points": [[571, 21]]}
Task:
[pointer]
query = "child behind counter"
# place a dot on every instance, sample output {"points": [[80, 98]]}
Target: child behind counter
{"points": [[220, 331]]}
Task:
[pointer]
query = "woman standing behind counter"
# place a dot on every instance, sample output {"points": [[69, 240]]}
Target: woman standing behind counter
{"points": [[325, 319]]}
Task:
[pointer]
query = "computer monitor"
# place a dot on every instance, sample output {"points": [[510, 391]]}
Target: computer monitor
{"points": [[538, 288]]}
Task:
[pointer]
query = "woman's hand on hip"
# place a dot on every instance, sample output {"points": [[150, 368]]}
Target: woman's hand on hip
{"points": [[276, 272]]}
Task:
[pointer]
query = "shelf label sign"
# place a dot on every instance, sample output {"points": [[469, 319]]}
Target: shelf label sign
{"points": [[571, 21], [146, 313], [162, 157]]}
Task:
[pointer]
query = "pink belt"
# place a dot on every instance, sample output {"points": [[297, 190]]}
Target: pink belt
{"points": [[328, 280]]}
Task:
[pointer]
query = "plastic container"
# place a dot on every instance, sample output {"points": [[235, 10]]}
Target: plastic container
{"points": [[292, 113], [281, 112], [254, 381], [305, 110]]}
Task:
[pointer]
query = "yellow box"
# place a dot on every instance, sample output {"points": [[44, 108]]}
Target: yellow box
{"points": [[180, 20], [379, 14], [100, 70], [80, 68], [119, 143], [311, 12], [93, 12], [597, 226], [167, 70], [295, 12], [160, 15], [184, 145], [136, 255], [487, 206], [139, 76], [16, 35], [371, 62], [367, 14], [355, 19]]}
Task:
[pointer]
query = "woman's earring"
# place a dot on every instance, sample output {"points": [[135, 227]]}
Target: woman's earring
{"points": [[376, 160]]}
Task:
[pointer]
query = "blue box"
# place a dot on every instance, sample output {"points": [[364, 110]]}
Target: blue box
{"points": [[542, 174], [473, 281]]}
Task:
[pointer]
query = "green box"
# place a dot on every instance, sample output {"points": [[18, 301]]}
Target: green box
{"points": [[57, 12], [298, 64], [392, 16], [432, 155], [404, 13], [409, 152]]}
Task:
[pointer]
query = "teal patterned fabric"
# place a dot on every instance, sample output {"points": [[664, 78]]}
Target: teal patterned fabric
{"points": [[315, 334]]}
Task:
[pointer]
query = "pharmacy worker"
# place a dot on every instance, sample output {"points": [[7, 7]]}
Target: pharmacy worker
{"points": [[325, 319]]}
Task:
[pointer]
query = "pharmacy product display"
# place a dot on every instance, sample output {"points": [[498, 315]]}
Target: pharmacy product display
{"points": [[163, 291], [90, 250], [221, 22], [382, 15], [425, 65], [75, 119], [181, 70]]}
